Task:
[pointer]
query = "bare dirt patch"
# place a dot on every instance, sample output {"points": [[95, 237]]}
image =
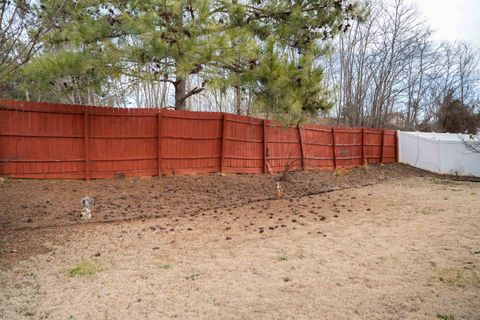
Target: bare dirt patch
{"points": [[31, 205], [404, 247], [45, 203]]}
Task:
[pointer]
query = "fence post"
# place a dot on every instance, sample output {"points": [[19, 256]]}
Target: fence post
{"points": [[264, 146], [334, 149], [86, 138], [159, 142], [396, 146], [222, 159], [363, 147], [439, 155], [301, 146], [383, 145]]}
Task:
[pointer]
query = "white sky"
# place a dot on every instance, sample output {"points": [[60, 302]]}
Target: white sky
{"points": [[453, 19]]}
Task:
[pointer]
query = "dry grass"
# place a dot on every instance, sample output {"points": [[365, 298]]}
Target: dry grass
{"points": [[406, 249]]}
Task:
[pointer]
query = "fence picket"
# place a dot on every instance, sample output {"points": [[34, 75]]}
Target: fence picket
{"points": [[86, 126], [302, 149], [334, 147], [159, 144]]}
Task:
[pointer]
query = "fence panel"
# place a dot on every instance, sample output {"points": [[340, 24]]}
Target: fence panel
{"points": [[389, 146], [373, 145], [191, 142], [42, 145], [284, 151], [243, 144], [318, 147], [122, 143], [45, 140], [440, 152], [348, 144]]}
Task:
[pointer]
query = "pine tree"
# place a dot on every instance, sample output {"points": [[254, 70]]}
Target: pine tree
{"points": [[283, 72], [226, 43]]}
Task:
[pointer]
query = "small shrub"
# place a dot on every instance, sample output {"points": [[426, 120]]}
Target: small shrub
{"points": [[164, 266], [282, 257]]}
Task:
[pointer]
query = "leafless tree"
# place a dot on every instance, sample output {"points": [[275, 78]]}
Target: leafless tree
{"points": [[472, 143], [19, 38], [387, 70]]}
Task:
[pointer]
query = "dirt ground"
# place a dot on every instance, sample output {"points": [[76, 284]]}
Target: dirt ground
{"points": [[387, 242], [50, 204]]}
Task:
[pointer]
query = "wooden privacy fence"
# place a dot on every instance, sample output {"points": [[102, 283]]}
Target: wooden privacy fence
{"points": [[45, 140]]}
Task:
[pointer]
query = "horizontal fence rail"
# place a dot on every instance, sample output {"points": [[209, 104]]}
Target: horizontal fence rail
{"points": [[46, 140]]}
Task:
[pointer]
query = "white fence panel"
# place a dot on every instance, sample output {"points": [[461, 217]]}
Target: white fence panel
{"points": [[438, 152]]}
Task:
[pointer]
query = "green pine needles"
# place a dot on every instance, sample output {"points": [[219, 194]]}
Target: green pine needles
{"points": [[270, 47]]}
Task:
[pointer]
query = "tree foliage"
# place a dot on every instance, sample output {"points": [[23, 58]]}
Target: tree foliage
{"points": [[268, 46], [287, 88]]}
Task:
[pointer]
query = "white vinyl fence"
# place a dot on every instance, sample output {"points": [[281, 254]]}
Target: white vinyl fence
{"points": [[439, 152]]}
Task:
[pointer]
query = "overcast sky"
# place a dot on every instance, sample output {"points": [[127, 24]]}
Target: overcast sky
{"points": [[453, 19]]}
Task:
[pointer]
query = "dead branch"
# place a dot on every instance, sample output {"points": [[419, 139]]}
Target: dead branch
{"points": [[473, 143]]}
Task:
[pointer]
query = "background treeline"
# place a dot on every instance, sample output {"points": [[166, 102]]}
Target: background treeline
{"points": [[388, 71], [360, 64]]}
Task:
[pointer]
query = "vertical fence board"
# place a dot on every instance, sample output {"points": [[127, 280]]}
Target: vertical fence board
{"points": [[87, 145], [301, 146], [383, 146], [222, 151], [159, 144], [396, 146], [334, 147], [363, 147], [265, 147]]}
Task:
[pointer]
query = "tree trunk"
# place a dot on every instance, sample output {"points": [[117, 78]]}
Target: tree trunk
{"points": [[180, 102], [238, 100]]}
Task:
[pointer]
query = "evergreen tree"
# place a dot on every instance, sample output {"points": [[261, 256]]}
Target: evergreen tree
{"points": [[226, 43], [291, 36]]}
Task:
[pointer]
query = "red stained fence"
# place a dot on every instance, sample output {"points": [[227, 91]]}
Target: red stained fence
{"points": [[44, 140]]}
